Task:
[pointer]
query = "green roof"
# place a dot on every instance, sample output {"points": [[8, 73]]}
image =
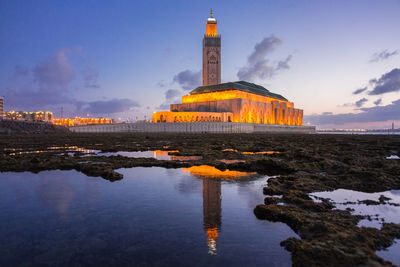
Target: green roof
{"points": [[239, 85]]}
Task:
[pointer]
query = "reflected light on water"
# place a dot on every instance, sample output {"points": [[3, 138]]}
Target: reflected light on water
{"points": [[212, 208], [53, 149], [207, 171], [212, 235], [164, 155], [65, 217], [261, 153], [212, 212]]}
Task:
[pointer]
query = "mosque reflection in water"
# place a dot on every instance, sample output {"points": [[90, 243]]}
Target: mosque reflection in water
{"points": [[212, 208]]}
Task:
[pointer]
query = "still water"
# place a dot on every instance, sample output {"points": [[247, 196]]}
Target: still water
{"points": [[154, 216], [388, 212]]}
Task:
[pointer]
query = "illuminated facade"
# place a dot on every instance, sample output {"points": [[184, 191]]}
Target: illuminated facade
{"points": [[45, 116], [233, 102], [239, 101], [77, 121]]}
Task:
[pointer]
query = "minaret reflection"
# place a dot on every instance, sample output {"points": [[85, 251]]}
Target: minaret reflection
{"points": [[212, 209]]}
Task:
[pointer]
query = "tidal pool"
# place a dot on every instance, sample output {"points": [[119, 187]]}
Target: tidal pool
{"points": [[52, 149], [391, 253], [157, 154], [154, 216], [387, 211]]}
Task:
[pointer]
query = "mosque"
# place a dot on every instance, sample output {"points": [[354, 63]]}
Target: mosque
{"points": [[239, 101]]}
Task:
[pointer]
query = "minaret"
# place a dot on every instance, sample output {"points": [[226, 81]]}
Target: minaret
{"points": [[211, 53]]}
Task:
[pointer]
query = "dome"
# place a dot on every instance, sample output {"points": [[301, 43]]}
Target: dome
{"points": [[211, 19]]}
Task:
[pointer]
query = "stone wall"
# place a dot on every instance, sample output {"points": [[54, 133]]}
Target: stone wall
{"points": [[193, 127]]}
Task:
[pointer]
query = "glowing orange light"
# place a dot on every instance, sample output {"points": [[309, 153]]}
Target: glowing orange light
{"points": [[81, 121], [261, 153], [229, 94], [212, 233], [168, 116], [212, 172], [211, 29]]}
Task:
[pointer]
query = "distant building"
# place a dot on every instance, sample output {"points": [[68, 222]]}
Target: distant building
{"points": [[1, 106], [44, 116], [78, 121], [239, 101]]}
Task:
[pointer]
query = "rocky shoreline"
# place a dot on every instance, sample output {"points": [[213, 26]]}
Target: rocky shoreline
{"points": [[29, 127], [304, 164]]}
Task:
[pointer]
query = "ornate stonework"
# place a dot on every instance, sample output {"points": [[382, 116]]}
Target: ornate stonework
{"points": [[211, 54]]}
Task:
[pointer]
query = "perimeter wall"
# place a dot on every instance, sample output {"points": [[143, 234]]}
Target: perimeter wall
{"points": [[192, 127]]}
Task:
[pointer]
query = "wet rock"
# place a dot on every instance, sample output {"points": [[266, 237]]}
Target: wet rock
{"points": [[369, 202], [271, 200], [383, 199]]}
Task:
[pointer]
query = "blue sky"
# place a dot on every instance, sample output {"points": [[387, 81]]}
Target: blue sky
{"points": [[127, 59]]}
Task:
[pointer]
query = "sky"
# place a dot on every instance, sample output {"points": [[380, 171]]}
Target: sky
{"points": [[339, 60]]}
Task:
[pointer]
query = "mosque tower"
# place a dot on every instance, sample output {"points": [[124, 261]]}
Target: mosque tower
{"points": [[211, 53]]}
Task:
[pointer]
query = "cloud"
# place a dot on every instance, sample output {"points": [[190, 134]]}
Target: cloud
{"points": [[50, 87], [360, 102], [90, 77], [259, 66], [161, 84], [378, 102], [188, 79], [21, 70], [56, 72], [388, 82], [376, 57], [261, 70], [109, 106], [171, 96], [284, 64], [371, 114], [265, 47], [359, 91]]}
